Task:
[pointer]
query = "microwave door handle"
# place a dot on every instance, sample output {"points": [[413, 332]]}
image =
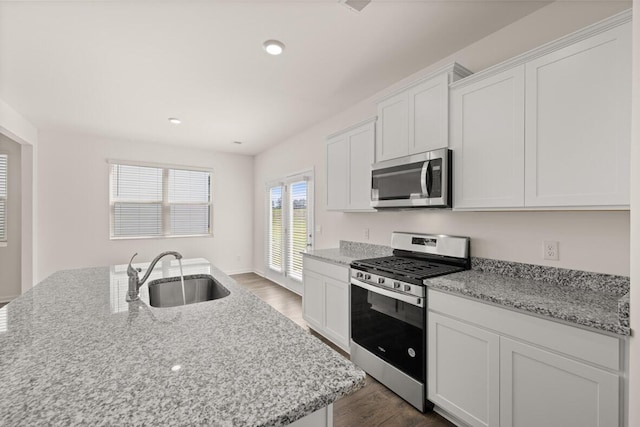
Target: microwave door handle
{"points": [[425, 178]]}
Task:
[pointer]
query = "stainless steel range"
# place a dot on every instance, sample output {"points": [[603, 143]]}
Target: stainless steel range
{"points": [[388, 309]]}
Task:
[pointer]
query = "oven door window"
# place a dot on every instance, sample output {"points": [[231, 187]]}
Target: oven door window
{"points": [[392, 330], [398, 182]]}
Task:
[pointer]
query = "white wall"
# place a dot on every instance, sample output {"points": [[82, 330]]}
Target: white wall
{"points": [[73, 198], [634, 369], [11, 254], [593, 241]]}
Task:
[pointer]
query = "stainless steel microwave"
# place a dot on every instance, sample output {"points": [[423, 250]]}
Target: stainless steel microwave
{"points": [[418, 181]]}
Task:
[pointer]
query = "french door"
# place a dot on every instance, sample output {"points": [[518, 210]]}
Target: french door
{"points": [[289, 228]]}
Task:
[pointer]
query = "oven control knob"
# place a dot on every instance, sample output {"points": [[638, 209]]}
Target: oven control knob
{"points": [[367, 276], [381, 280], [359, 275], [396, 285], [407, 288]]}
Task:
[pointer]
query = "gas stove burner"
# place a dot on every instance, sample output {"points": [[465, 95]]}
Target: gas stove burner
{"points": [[405, 266]]}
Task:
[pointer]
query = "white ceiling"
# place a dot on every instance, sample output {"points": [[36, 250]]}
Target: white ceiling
{"points": [[121, 68]]}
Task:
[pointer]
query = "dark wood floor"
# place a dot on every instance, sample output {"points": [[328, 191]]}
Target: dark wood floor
{"points": [[374, 405]]}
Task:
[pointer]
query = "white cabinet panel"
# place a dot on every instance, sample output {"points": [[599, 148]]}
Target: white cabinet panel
{"points": [[463, 370], [487, 139], [578, 104], [313, 298], [325, 300], [336, 314], [350, 154], [337, 172], [392, 138], [429, 115], [361, 151], [539, 388]]}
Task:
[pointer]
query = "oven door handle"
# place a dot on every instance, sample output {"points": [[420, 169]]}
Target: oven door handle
{"points": [[413, 300]]}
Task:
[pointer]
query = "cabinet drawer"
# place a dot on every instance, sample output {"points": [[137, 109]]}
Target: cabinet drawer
{"points": [[335, 271], [600, 349]]}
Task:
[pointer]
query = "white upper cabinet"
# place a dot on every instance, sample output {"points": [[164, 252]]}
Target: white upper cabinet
{"points": [[350, 154], [487, 140], [578, 123], [393, 124], [549, 128], [429, 115], [416, 119], [337, 172]]}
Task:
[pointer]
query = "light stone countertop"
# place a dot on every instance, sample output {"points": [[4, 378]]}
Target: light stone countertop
{"points": [[73, 352], [349, 252], [585, 307]]}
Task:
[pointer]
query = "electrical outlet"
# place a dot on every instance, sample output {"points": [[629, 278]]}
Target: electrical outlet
{"points": [[550, 249], [366, 234], [318, 229]]}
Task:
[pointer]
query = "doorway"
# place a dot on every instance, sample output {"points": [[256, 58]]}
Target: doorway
{"points": [[289, 228]]}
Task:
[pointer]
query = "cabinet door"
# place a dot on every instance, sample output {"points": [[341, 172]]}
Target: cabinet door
{"points": [[313, 299], [361, 152], [578, 107], [463, 370], [487, 139], [336, 312], [539, 388], [429, 115], [392, 139], [337, 173]]}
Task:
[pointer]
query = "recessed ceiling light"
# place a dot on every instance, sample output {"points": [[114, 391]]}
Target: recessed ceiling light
{"points": [[176, 368], [174, 120], [273, 47]]}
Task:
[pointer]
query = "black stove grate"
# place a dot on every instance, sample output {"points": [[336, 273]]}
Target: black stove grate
{"points": [[410, 267]]}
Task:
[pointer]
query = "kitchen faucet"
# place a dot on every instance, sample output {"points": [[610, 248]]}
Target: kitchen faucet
{"points": [[134, 282]]}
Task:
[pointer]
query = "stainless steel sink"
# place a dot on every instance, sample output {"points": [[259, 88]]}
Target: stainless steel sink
{"points": [[197, 288]]}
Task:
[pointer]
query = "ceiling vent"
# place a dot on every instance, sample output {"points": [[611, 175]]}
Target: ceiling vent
{"points": [[355, 5]]}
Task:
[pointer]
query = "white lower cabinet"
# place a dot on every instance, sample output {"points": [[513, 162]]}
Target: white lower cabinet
{"points": [[489, 366], [464, 370], [540, 388], [325, 300]]}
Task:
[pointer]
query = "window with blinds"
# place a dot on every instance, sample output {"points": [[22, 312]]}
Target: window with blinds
{"points": [[4, 171], [155, 201], [298, 215], [288, 227], [276, 228]]}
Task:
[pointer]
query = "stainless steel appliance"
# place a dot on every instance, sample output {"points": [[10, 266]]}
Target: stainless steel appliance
{"points": [[418, 181], [388, 309]]}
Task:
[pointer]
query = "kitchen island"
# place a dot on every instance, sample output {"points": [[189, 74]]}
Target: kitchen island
{"points": [[74, 352]]}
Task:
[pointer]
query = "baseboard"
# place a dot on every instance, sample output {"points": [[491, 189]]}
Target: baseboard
{"points": [[230, 273], [449, 417], [9, 298]]}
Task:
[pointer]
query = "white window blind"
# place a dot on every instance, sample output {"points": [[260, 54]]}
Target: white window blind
{"points": [[4, 166], [148, 201], [276, 228], [298, 215]]}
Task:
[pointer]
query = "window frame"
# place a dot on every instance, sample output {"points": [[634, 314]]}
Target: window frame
{"points": [[165, 205], [4, 241]]}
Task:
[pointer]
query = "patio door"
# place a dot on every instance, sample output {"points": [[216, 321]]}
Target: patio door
{"points": [[289, 228]]}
